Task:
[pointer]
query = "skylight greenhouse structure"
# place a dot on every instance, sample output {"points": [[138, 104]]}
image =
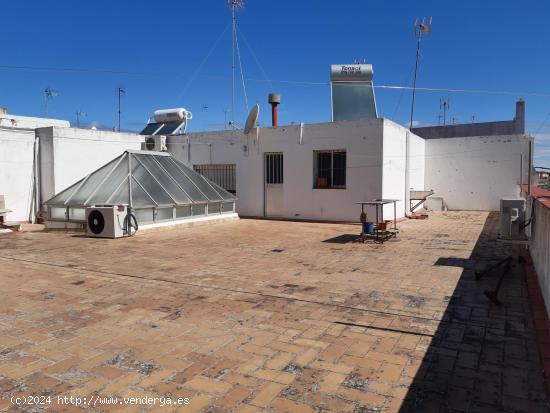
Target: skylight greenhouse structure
{"points": [[156, 187]]}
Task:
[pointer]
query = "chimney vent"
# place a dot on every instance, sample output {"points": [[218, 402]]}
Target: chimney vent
{"points": [[274, 100]]}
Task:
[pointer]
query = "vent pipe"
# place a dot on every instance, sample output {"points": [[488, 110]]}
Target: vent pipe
{"points": [[274, 100]]}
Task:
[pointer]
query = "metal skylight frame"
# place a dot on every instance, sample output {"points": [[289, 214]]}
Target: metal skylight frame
{"points": [[194, 178]]}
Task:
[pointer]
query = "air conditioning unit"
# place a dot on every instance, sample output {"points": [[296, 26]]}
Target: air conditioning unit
{"points": [[512, 217], [154, 143], [105, 221]]}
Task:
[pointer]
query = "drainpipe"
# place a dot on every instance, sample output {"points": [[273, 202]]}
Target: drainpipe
{"points": [[36, 178], [407, 177], [530, 165]]}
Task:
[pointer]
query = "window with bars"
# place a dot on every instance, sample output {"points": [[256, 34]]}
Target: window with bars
{"points": [[330, 169], [221, 174], [273, 168]]}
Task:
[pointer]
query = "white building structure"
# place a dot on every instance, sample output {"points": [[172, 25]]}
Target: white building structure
{"points": [[314, 171], [40, 157], [319, 171], [17, 148]]}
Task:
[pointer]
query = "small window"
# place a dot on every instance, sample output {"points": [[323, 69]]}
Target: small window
{"points": [[330, 169], [274, 168]]}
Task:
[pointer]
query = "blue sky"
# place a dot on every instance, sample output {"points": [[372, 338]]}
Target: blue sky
{"points": [[154, 50]]}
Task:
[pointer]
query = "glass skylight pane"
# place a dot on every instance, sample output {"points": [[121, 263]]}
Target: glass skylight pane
{"points": [[217, 193], [91, 184], [200, 181], [204, 185], [223, 193], [122, 195], [168, 183], [140, 198], [119, 174], [144, 216], [182, 179], [61, 197], [152, 187]]}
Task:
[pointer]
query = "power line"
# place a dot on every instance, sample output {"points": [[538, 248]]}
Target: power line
{"points": [[287, 81]]}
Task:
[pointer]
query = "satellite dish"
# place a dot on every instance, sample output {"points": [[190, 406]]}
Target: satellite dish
{"points": [[252, 119]]}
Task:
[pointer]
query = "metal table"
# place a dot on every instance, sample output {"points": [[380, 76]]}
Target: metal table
{"points": [[380, 235]]}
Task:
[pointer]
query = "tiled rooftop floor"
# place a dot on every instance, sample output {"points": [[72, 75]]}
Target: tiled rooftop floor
{"points": [[263, 315]]}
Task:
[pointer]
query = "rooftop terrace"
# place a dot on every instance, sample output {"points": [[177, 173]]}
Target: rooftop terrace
{"points": [[283, 316]]}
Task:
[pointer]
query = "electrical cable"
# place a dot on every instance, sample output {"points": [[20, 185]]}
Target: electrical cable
{"points": [[295, 82], [199, 67], [241, 69], [130, 221], [247, 44]]}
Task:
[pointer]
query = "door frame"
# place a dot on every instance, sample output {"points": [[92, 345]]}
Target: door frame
{"points": [[264, 175]]}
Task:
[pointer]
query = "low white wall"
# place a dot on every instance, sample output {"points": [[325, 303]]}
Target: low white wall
{"points": [[540, 249], [16, 171], [395, 148], [362, 141], [69, 154], [474, 173]]}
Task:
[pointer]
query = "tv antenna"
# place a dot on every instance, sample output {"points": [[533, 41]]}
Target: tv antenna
{"points": [[234, 5], [48, 94], [226, 112], [444, 105], [120, 92], [79, 114], [422, 28]]}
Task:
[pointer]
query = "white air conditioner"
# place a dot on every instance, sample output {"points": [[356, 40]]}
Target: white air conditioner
{"points": [[512, 217], [105, 221], [154, 143]]}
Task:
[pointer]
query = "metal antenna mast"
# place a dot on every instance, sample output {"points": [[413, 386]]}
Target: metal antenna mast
{"points": [[235, 5], [48, 94], [120, 92], [444, 105], [79, 113], [421, 29]]}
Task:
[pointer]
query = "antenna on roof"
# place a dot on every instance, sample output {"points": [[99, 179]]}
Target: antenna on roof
{"points": [[226, 112], [234, 5], [120, 92], [79, 113], [48, 94], [445, 105], [422, 28]]}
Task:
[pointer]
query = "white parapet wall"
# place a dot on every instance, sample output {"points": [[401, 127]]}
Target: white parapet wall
{"points": [[394, 166], [16, 171], [474, 173], [540, 247], [17, 136], [65, 155]]}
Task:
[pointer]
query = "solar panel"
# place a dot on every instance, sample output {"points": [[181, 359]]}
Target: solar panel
{"points": [[151, 128], [169, 128]]}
